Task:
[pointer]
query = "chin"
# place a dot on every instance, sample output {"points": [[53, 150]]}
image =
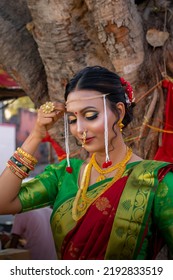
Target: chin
{"points": [[92, 150]]}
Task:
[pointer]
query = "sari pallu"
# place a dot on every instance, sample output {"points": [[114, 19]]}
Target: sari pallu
{"points": [[117, 224]]}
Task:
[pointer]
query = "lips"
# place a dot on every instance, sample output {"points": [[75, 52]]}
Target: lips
{"points": [[89, 139]]}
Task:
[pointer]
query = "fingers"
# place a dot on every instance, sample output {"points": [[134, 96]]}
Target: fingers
{"points": [[50, 112], [52, 107], [59, 106]]}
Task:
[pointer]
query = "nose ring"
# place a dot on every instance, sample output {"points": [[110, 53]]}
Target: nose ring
{"points": [[83, 139]]}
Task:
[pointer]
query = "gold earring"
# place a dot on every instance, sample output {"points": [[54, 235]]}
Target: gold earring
{"points": [[120, 125], [83, 138]]}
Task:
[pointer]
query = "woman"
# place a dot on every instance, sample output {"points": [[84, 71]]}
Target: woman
{"points": [[114, 205]]}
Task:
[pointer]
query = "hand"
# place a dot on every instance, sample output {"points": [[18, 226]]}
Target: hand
{"points": [[45, 121]]}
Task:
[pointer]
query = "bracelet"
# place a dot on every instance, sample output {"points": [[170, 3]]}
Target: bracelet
{"points": [[18, 159], [28, 161], [19, 164], [22, 169], [32, 159], [18, 174], [16, 170]]}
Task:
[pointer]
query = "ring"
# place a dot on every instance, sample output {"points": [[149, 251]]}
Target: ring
{"points": [[47, 107]]}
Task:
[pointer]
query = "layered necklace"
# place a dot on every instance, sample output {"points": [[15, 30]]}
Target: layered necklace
{"points": [[82, 201]]}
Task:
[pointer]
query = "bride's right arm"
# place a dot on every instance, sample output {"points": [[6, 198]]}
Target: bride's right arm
{"points": [[10, 183]]}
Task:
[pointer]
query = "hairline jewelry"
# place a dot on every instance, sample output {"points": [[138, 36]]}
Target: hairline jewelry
{"points": [[86, 98]]}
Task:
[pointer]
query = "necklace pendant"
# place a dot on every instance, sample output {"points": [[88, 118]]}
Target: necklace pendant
{"points": [[107, 164]]}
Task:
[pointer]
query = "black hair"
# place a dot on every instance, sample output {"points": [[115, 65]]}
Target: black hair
{"points": [[104, 81]]}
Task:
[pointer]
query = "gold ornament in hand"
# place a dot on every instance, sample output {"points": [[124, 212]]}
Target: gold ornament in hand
{"points": [[47, 107]]}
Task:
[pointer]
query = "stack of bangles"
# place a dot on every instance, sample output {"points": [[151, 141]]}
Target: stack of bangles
{"points": [[21, 163]]}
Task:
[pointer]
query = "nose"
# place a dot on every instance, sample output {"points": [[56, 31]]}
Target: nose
{"points": [[80, 126]]}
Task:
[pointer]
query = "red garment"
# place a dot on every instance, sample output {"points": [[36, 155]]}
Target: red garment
{"points": [[90, 236], [59, 151], [165, 152]]}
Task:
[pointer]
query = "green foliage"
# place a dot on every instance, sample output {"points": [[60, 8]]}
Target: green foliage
{"points": [[12, 108]]}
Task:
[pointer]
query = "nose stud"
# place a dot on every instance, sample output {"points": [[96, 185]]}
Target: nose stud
{"points": [[83, 139]]}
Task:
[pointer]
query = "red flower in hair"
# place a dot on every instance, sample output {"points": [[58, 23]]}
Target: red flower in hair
{"points": [[128, 89], [123, 81]]}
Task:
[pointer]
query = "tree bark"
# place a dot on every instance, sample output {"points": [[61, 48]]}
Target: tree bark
{"points": [[64, 36], [19, 55]]}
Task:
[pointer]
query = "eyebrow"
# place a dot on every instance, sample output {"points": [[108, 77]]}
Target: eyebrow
{"points": [[83, 110]]}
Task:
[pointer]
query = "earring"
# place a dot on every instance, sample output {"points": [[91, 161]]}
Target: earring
{"points": [[83, 138], [120, 125]]}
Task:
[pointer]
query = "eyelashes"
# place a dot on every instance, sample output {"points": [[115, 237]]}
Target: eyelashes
{"points": [[71, 120], [91, 115], [88, 116]]}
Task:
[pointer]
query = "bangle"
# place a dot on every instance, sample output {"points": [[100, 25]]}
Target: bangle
{"points": [[16, 170], [32, 159], [22, 160], [19, 164], [18, 174]]}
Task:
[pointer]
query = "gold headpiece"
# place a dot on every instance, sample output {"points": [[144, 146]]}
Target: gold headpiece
{"points": [[87, 98]]}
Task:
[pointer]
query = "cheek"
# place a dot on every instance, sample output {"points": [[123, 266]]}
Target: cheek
{"points": [[97, 126], [72, 129], [100, 126]]}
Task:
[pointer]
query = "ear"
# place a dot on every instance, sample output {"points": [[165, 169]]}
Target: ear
{"points": [[121, 108]]}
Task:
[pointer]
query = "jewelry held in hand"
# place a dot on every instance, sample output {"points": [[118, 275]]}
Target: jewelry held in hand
{"points": [[47, 107]]}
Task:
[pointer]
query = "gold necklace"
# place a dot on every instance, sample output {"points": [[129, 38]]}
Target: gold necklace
{"points": [[101, 171], [81, 194]]}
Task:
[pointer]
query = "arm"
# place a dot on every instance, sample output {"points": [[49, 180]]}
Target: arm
{"points": [[9, 183]]}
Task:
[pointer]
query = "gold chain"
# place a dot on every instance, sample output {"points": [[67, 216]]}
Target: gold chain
{"points": [[101, 171], [81, 194]]}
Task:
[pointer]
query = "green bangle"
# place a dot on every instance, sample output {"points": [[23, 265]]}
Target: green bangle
{"points": [[20, 165]]}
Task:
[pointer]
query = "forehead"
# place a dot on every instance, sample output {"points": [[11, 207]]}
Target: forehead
{"points": [[79, 99]]}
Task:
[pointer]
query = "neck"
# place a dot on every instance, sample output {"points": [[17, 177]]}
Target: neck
{"points": [[116, 155]]}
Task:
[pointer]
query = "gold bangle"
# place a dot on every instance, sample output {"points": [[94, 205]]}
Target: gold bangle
{"points": [[24, 161], [26, 155]]}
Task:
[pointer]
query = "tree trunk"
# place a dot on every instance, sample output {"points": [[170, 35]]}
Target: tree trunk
{"points": [[19, 54], [72, 34]]}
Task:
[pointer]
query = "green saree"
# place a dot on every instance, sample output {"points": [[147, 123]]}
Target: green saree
{"points": [[134, 210]]}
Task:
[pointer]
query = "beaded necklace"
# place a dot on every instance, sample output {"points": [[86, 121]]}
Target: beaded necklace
{"points": [[82, 201]]}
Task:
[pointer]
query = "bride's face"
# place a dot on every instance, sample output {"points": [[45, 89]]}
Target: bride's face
{"points": [[85, 111]]}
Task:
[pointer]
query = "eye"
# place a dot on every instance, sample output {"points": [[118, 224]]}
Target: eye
{"points": [[72, 119], [91, 115]]}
